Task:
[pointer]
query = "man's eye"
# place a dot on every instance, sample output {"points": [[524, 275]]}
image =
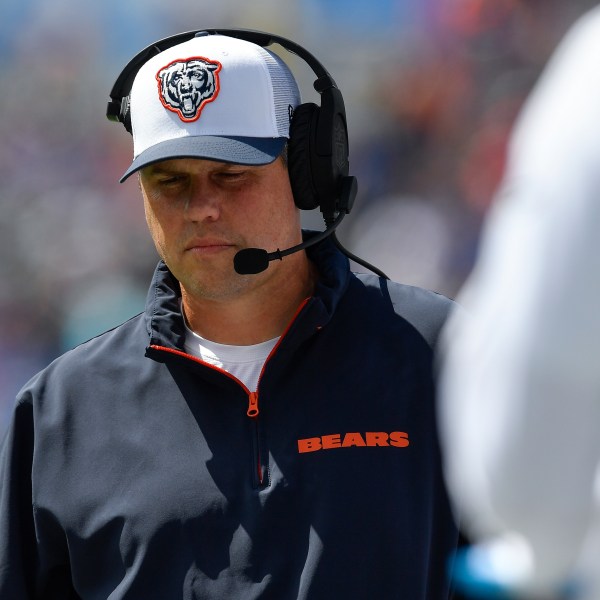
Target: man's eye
{"points": [[232, 175], [171, 181]]}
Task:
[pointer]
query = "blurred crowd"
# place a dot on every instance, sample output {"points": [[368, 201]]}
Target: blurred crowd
{"points": [[432, 88]]}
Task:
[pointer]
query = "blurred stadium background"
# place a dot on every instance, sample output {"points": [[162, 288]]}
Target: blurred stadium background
{"points": [[432, 88]]}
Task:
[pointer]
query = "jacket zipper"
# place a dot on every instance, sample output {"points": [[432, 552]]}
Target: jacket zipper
{"points": [[252, 404], [253, 407], [253, 396], [252, 410]]}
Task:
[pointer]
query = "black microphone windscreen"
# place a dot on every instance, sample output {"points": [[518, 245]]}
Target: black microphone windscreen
{"points": [[250, 261]]}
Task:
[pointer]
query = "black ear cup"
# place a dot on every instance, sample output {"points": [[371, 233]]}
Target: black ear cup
{"points": [[302, 129], [318, 153]]}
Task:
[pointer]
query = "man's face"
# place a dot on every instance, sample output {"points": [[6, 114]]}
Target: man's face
{"points": [[201, 212]]}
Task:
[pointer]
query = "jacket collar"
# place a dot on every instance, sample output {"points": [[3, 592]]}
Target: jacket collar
{"points": [[334, 273], [164, 321]]}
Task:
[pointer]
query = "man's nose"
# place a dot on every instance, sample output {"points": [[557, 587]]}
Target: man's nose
{"points": [[203, 203]]}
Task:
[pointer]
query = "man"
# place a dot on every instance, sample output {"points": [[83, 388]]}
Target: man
{"points": [[520, 385], [267, 435]]}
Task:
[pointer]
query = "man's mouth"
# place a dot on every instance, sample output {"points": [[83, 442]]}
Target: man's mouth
{"points": [[208, 246]]}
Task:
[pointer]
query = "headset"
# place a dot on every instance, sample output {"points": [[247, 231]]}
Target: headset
{"points": [[318, 146]]}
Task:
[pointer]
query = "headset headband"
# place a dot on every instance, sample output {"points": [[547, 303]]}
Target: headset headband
{"points": [[318, 148], [122, 86]]}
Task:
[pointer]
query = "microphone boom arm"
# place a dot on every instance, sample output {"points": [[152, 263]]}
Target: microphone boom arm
{"points": [[315, 239], [250, 261]]}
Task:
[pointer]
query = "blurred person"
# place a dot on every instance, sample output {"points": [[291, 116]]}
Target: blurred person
{"points": [[265, 428], [519, 385]]}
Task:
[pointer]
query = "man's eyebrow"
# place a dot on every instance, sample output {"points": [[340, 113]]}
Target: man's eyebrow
{"points": [[162, 170]]}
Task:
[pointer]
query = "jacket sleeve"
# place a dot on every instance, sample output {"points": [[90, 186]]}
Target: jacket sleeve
{"points": [[17, 531]]}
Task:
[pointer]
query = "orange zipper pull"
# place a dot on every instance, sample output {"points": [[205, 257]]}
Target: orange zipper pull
{"points": [[252, 405]]}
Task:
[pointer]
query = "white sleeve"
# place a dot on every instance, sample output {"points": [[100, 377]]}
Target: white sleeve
{"points": [[520, 372]]}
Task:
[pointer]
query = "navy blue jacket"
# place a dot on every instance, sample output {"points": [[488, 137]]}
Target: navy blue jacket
{"points": [[132, 470]]}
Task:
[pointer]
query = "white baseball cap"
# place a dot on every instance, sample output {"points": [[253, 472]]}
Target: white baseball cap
{"points": [[213, 97]]}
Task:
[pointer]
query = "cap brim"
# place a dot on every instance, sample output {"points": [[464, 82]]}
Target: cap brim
{"points": [[236, 150]]}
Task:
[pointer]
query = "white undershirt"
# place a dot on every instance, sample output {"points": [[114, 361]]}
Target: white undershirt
{"points": [[243, 362]]}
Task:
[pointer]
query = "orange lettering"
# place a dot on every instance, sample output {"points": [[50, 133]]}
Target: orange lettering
{"points": [[399, 439], [309, 444], [377, 438], [353, 439], [331, 441]]}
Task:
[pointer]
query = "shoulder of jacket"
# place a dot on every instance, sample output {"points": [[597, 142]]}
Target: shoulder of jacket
{"points": [[424, 309], [112, 344]]}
